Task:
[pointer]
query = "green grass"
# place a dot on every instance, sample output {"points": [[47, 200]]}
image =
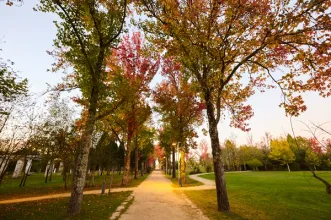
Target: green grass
{"points": [[189, 182], [36, 186], [93, 207], [268, 195]]}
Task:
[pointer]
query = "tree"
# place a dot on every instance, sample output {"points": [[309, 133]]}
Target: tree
{"points": [[166, 141], [86, 33], [230, 155], [144, 146], [315, 146], [12, 88], [220, 43], [138, 71], [312, 159], [204, 157], [254, 163], [281, 151], [176, 100]]}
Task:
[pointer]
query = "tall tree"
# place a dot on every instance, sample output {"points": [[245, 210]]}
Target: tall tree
{"points": [[180, 107], [138, 69], [86, 33], [231, 47], [166, 141]]}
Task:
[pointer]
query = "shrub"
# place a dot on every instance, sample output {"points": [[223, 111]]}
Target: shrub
{"points": [[149, 169], [254, 163], [209, 168]]}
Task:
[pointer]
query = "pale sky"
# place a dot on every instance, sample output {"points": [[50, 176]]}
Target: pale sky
{"points": [[28, 34]]}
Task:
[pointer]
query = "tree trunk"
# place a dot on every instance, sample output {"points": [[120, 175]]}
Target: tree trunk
{"points": [[26, 173], [52, 169], [4, 164], [166, 165], [47, 171], [182, 167], [125, 179], [222, 196], [136, 161], [326, 183], [245, 166], [64, 175], [24, 168], [82, 156], [173, 163], [111, 179], [288, 167], [142, 168]]}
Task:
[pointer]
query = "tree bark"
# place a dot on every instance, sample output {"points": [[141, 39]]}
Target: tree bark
{"points": [[166, 165], [288, 167], [222, 196], [182, 167], [52, 169], [173, 163], [136, 161], [82, 156], [326, 183], [4, 164], [142, 168], [47, 171], [125, 179]]}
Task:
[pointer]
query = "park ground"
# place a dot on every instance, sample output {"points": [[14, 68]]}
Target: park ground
{"points": [[253, 195], [36, 186], [268, 195]]}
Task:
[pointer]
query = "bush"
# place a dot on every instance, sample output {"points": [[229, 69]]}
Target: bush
{"points": [[254, 163], [149, 169], [209, 168], [196, 169]]}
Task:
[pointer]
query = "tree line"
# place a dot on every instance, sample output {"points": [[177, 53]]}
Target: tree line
{"points": [[217, 54]]}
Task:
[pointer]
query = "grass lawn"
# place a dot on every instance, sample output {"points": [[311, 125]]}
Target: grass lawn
{"points": [[93, 207], [36, 186], [268, 195], [189, 181]]}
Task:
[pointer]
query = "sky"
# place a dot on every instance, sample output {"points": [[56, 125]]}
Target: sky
{"points": [[26, 35]]}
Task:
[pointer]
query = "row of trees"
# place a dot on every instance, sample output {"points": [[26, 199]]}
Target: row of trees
{"points": [[122, 117], [229, 49], [298, 153], [226, 50], [52, 137]]}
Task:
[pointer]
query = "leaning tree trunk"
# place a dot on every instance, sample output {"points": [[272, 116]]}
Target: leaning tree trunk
{"points": [[173, 163], [222, 196], [326, 183], [82, 156], [288, 167], [4, 165]]}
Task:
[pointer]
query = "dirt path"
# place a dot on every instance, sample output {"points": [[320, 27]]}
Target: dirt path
{"points": [[60, 195], [155, 199]]}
